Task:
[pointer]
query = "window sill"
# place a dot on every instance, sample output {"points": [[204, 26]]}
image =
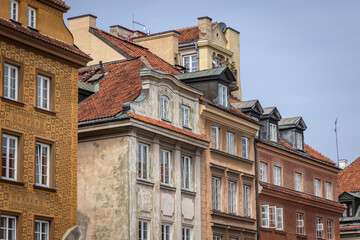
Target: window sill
{"points": [[188, 192], [44, 188], [34, 29], [12, 182], [45, 111], [16, 22], [231, 155], [145, 182], [300, 236], [187, 128], [8, 100], [232, 216], [166, 120], [167, 187]]}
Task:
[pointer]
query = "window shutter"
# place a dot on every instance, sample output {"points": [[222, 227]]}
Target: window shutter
{"points": [[265, 215]]}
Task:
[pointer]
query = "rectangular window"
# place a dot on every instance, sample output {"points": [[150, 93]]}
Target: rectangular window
{"points": [[272, 217], [143, 230], [246, 199], [263, 172], [216, 193], [8, 227], [230, 143], [273, 132], [165, 170], [317, 187], [186, 233], [9, 157], [43, 89], [164, 108], [299, 140], [279, 219], [348, 211], [265, 216], [328, 190], [41, 230], [11, 82], [165, 232], [190, 63], [319, 227], [330, 233], [217, 238], [215, 137], [299, 223], [42, 164], [185, 112], [14, 6], [223, 95], [31, 17], [186, 173], [298, 182], [143, 162], [277, 175], [232, 197], [245, 147]]}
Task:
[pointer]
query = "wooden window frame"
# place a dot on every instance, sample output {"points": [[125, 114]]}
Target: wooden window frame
{"points": [[16, 18]]}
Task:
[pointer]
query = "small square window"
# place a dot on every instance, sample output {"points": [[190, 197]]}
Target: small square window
{"points": [[31, 22]]}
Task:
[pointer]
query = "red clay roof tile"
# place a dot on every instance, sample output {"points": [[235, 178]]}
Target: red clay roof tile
{"points": [[189, 34], [349, 178], [60, 3], [315, 154]]}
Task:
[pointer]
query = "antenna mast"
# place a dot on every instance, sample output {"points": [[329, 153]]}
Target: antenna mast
{"points": [[337, 145], [134, 22]]}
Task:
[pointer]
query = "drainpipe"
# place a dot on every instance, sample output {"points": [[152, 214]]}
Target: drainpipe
{"points": [[257, 192]]}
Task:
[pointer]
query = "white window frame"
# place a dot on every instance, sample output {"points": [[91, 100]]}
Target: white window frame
{"points": [[246, 200], [328, 190], [245, 147], [263, 171], [39, 164], [230, 143], [298, 177], [186, 233], [165, 167], [330, 229], [215, 137], [232, 197], [43, 98], [185, 116], [300, 223], [279, 219], [319, 227], [216, 193], [265, 216], [272, 217], [317, 187], [144, 234], [11, 83], [215, 237], [277, 175], [223, 95], [143, 161], [165, 231], [31, 17], [193, 65], [9, 138], [5, 229], [186, 173], [40, 233], [299, 140], [164, 107], [14, 10], [273, 132]]}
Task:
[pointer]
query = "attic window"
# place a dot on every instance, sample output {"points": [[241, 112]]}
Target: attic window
{"points": [[223, 95], [298, 141], [273, 132], [348, 211]]}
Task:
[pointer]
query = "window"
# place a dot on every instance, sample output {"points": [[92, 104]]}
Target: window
{"points": [[263, 171], [232, 197], [217, 238], [348, 211], [9, 157], [11, 82], [317, 187], [246, 199], [42, 164], [299, 223], [298, 141], [164, 108], [245, 147], [298, 182], [319, 227], [186, 233], [143, 230], [273, 132], [43, 87], [41, 230], [271, 217], [165, 170], [216, 193], [329, 229], [230, 143], [8, 227], [14, 6], [186, 173], [144, 161], [190, 62], [328, 190], [279, 218], [265, 216], [165, 232], [31, 17], [215, 137], [185, 112], [223, 95], [277, 175]]}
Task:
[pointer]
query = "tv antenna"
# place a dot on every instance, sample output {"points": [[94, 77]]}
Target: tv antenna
{"points": [[337, 145], [134, 22]]}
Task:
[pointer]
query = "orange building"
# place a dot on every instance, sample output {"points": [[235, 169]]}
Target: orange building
{"points": [[38, 120]]}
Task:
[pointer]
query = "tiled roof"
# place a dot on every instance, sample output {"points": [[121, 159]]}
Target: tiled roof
{"points": [[60, 3], [165, 125], [234, 99], [352, 227], [190, 34], [349, 178], [42, 37], [303, 195], [315, 154], [130, 49]]}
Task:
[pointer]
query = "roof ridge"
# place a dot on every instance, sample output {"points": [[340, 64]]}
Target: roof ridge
{"points": [[196, 26]]}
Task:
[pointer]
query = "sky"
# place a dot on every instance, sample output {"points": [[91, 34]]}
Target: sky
{"points": [[301, 56]]}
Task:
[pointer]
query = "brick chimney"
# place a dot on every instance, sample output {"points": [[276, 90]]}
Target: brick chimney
{"points": [[205, 27]]}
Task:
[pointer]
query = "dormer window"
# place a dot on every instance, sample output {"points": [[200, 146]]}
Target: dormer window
{"points": [[14, 6], [273, 132], [31, 18], [223, 95], [164, 108], [348, 211], [298, 141]]}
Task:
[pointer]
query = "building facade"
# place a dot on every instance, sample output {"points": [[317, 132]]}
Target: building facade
{"points": [[38, 120]]}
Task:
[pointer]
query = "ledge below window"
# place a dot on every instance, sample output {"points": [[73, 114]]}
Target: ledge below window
{"points": [[8, 100], [12, 182], [45, 111], [232, 216], [44, 188], [167, 187], [188, 192], [273, 230], [145, 182], [298, 236], [231, 155]]}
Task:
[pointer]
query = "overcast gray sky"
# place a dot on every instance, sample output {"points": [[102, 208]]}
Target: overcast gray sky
{"points": [[301, 56]]}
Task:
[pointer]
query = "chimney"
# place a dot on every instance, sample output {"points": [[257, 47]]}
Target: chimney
{"points": [[343, 163], [205, 27], [82, 21]]}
